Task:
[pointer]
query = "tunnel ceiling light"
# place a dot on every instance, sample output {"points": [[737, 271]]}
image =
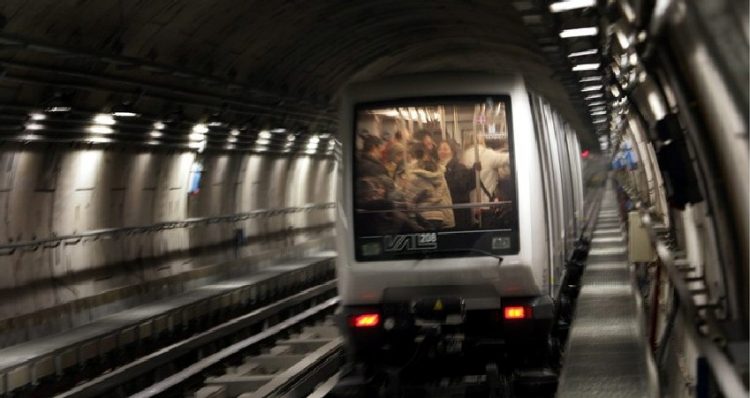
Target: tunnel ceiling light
{"points": [[159, 126], [325, 136], [583, 53], [592, 88], [30, 137], [197, 137], [124, 114], [58, 109], [262, 141], [579, 32], [33, 126], [314, 139], [614, 90], [229, 146], [265, 134], [594, 96], [598, 113], [36, 116], [99, 129], [291, 138], [597, 103], [200, 128], [589, 79], [598, 109], [600, 120], [104, 119], [155, 134], [584, 67], [568, 5], [279, 130], [153, 142], [234, 132], [231, 139], [99, 140], [312, 146]]}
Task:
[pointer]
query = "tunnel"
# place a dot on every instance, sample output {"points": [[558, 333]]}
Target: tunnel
{"points": [[180, 192]]}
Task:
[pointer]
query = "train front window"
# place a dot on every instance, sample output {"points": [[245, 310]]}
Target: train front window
{"points": [[434, 177]]}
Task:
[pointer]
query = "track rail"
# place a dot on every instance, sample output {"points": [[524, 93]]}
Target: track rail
{"points": [[167, 362]]}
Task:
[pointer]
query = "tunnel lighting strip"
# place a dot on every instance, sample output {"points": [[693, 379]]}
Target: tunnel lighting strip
{"points": [[93, 235], [569, 5], [583, 53], [589, 79], [585, 67], [579, 32]]}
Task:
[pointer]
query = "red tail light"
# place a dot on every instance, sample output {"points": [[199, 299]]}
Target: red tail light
{"points": [[517, 312], [366, 320]]}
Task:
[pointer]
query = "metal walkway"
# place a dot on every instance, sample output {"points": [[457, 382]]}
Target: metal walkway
{"points": [[607, 353]]}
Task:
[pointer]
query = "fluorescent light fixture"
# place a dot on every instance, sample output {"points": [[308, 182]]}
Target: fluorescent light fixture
{"points": [[98, 129], [104, 119], [568, 5], [592, 88], [579, 32], [262, 141], [583, 67], [583, 53], [231, 139], [159, 126], [588, 79], [153, 142], [288, 145], [33, 126], [278, 130], [200, 128], [215, 123], [291, 137], [325, 136], [37, 116], [312, 145], [124, 114], [600, 120], [229, 146], [234, 132], [594, 96], [597, 103], [197, 137], [265, 134], [598, 113], [314, 139], [30, 137], [598, 109], [614, 90], [99, 140], [58, 109], [155, 134]]}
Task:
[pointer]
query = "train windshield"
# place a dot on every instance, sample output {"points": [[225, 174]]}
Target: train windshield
{"points": [[434, 178]]}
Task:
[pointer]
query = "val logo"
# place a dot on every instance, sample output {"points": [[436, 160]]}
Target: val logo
{"points": [[397, 243]]}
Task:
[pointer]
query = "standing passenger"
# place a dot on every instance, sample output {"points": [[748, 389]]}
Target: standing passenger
{"points": [[460, 179]]}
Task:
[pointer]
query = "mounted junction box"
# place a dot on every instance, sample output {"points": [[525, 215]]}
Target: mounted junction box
{"points": [[640, 248]]}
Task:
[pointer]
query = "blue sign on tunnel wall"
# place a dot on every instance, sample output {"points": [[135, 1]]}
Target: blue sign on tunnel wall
{"points": [[194, 184]]}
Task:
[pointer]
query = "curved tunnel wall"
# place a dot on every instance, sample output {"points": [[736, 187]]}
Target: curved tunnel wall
{"points": [[50, 191]]}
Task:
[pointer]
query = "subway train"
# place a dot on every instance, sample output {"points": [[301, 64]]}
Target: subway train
{"points": [[460, 201]]}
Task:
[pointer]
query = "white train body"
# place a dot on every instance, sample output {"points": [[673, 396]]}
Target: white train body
{"points": [[546, 211]]}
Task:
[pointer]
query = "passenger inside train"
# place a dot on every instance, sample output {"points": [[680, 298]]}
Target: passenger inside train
{"points": [[435, 168]]}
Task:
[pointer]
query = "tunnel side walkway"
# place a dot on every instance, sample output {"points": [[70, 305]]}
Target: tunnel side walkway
{"points": [[26, 363], [607, 353]]}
